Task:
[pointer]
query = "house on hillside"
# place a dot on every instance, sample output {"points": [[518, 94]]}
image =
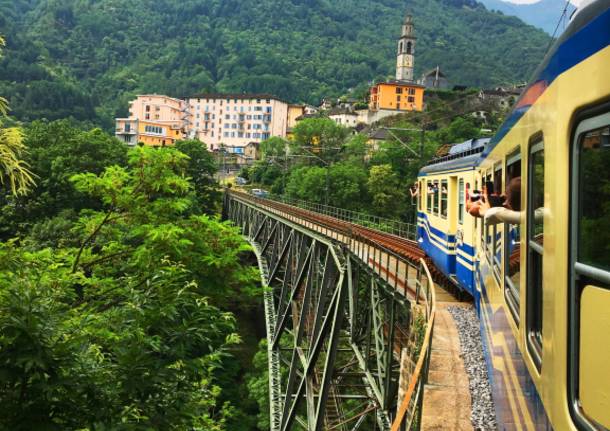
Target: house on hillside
{"points": [[376, 137], [344, 117], [435, 79]]}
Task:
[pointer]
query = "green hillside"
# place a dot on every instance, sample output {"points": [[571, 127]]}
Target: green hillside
{"points": [[86, 58]]}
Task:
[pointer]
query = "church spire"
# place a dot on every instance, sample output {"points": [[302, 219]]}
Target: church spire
{"points": [[405, 60]]}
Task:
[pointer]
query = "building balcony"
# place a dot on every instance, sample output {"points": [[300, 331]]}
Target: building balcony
{"points": [[123, 131]]}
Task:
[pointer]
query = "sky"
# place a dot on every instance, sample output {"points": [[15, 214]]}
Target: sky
{"points": [[574, 2]]}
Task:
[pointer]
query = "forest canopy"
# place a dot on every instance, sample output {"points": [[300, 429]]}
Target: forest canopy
{"points": [[85, 59]]}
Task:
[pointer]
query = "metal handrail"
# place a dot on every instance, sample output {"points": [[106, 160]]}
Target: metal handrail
{"points": [[412, 403], [394, 227]]}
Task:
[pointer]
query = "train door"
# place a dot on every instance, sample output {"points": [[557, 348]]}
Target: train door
{"points": [[589, 291]]}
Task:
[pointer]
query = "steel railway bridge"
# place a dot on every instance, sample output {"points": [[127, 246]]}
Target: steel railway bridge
{"points": [[349, 315]]}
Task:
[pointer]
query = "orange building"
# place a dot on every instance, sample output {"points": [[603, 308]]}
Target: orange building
{"points": [[397, 96], [153, 133]]}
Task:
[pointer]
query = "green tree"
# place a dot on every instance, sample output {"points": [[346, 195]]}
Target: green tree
{"points": [[201, 169], [12, 169], [56, 151], [321, 137], [122, 324], [387, 192], [273, 147]]}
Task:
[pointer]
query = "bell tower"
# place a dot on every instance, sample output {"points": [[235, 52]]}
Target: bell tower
{"points": [[405, 61]]}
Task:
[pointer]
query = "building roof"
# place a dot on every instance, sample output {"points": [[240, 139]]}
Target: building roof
{"points": [[379, 135], [341, 111], [432, 72], [401, 83], [240, 96], [305, 116]]}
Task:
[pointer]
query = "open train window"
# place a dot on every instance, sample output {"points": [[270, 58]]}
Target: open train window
{"points": [[436, 198], [512, 241], [420, 196], [494, 188], [444, 195], [535, 250], [429, 196], [589, 292], [461, 201]]}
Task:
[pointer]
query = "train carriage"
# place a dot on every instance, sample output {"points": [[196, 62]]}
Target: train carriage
{"points": [[541, 284]]}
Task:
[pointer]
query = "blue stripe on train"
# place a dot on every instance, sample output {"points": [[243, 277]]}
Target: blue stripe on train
{"points": [[447, 261]]}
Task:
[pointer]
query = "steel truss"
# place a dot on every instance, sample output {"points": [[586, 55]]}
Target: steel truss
{"points": [[335, 328]]}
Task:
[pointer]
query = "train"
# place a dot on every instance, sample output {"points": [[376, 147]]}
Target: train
{"points": [[540, 281]]}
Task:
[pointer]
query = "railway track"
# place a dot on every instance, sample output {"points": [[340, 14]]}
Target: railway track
{"points": [[403, 247]]}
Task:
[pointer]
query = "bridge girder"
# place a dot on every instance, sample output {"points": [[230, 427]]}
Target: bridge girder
{"points": [[334, 353]]}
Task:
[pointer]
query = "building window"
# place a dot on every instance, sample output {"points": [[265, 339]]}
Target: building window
{"points": [[409, 47], [535, 250], [398, 90], [147, 117], [412, 91], [147, 108], [411, 99], [398, 98]]}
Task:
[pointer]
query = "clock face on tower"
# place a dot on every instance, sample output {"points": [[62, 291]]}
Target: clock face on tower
{"points": [[405, 61]]}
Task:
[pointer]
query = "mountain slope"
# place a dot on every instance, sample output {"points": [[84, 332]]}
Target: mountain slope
{"points": [[88, 58], [544, 14]]}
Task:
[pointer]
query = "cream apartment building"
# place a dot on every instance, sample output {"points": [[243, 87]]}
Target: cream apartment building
{"points": [[229, 121], [235, 120]]}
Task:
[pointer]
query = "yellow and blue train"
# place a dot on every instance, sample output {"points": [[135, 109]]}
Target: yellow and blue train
{"points": [[542, 284]]}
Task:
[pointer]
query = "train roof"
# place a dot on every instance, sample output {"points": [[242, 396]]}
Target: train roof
{"points": [[586, 35], [461, 155]]}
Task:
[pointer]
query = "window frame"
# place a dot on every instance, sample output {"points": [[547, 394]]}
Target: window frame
{"points": [[534, 300], [512, 293], [497, 263], [461, 200], [441, 200], [587, 121], [436, 198]]}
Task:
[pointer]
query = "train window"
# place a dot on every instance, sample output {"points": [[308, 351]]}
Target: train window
{"points": [[594, 200], [436, 198], [429, 196], [420, 195], [512, 241], [589, 293], [461, 201], [495, 189], [444, 194], [535, 250]]}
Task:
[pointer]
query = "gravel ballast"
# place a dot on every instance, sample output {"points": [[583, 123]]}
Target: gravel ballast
{"points": [[483, 415]]}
